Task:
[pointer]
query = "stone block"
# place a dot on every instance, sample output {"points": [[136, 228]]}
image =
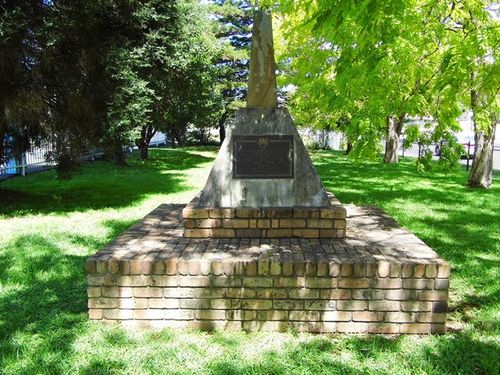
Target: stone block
{"points": [[277, 233], [367, 316], [243, 315], [416, 306], [339, 224], [336, 316], [433, 295], [95, 314], [431, 318], [292, 223], [225, 304], [415, 328], [209, 223], [443, 270], [441, 284], [354, 283], [197, 233], [400, 317], [304, 316], [278, 212], [388, 283], [222, 233], [320, 304], [303, 293], [288, 304], [352, 327], [235, 223], [327, 233], [264, 223], [383, 328], [265, 315], [239, 293], [221, 213], [272, 293], [320, 223], [252, 233], [102, 303], [190, 212], [419, 271], [335, 294], [257, 282], [257, 304], [431, 271], [247, 213], [321, 282], [210, 315], [351, 305], [306, 233], [93, 292], [383, 305], [418, 284]]}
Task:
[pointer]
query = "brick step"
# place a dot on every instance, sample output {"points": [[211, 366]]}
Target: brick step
{"points": [[380, 279]]}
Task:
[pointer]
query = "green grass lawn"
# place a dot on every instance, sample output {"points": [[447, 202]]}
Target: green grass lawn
{"points": [[49, 227]]}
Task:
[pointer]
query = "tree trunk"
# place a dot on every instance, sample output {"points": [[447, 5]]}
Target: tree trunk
{"points": [[3, 131], [481, 172], [348, 148], [394, 129], [118, 154], [222, 133], [147, 133], [222, 128], [144, 151]]}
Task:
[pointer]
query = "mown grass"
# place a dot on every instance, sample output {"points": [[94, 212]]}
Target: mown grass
{"points": [[49, 227]]}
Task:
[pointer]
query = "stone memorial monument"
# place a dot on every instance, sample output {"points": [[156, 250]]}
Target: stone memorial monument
{"points": [[263, 183], [265, 247]]}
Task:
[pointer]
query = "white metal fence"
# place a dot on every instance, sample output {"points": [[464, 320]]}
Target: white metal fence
{"points": [[33, 160]]}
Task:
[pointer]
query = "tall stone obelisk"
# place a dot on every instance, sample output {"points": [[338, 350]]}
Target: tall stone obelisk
{"points": [[262, 76], [263, 183]]}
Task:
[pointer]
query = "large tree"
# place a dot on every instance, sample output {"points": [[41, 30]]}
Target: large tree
{"points": [[470, 75], [165, 75], [20, 104], [373, 63], [234, 20]]}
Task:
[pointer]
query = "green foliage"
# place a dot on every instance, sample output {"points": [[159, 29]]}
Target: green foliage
{"points": [[20, 100], [164, 73], [370, 60], [49, 228], [233, 21], [97, 73], [361, 62]]}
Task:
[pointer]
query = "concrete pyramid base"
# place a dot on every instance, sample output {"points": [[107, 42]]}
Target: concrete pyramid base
{"points": [[250, 205]]}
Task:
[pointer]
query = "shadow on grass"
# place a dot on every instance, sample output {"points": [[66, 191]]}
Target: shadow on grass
{"points": [[451, 354], [43, 303], [99, 185], [461, 224]]}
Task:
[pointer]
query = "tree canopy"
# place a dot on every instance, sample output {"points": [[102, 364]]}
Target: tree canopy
{"points": [[374, 64]]}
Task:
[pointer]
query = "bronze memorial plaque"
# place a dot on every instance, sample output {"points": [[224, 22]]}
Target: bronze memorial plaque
{"points": [[263, 156]]}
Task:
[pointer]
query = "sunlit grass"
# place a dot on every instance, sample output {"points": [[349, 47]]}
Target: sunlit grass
{"points": [[49, 227]]}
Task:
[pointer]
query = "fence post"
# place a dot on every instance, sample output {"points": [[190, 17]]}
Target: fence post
{"points": [[468, 155], [419, 150], [23, 164]]}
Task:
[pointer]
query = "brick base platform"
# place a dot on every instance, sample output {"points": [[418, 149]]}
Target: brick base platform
{"points": [[379, 279], [268, 222]]}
